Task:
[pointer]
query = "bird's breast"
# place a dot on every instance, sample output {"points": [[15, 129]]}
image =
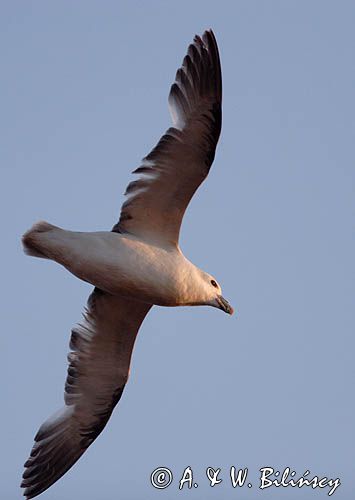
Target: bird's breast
{"points": [[125, 266]]}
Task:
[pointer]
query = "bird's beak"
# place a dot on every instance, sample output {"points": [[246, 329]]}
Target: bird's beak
{"points": [[224, 305]]}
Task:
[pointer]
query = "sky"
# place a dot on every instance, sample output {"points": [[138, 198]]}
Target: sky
{"points": [[84, 91]]}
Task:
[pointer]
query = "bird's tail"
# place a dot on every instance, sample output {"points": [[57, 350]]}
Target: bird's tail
{"points": [[33, 241]]}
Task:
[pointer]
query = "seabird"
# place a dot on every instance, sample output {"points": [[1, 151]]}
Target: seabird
{"points": [[133, 267]]}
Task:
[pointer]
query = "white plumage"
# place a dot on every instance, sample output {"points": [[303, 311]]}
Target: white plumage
{"points": [[134, 266]]}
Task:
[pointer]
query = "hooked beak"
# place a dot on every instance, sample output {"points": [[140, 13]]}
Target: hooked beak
{"points": [[224, 305]]}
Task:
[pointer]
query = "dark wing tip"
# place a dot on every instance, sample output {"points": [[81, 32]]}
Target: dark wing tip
{"points": [[54, 452], [198, 82]]}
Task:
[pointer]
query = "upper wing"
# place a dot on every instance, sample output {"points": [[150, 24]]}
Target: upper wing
{"points": [[175, 168], [97, 373]]}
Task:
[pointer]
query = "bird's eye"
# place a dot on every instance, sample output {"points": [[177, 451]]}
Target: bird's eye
{"points": [[213, 283]]}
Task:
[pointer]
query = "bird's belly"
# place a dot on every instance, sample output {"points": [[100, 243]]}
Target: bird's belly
{"points": [[124, 266]]}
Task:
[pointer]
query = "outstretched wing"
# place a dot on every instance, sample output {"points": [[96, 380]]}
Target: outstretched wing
{"points": [[97, 373], [174, 169]]}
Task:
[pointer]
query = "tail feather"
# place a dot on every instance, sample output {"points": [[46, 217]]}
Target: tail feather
{"points": [[31, 240]]}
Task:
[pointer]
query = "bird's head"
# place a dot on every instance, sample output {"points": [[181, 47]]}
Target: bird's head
{"points": [[211, 294], [217, 299]]}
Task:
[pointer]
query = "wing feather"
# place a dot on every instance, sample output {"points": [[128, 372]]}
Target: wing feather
{"points": [[173, 170], [101, 348]]}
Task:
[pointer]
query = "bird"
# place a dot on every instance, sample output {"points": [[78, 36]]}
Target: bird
{"points": [[136, 265]]}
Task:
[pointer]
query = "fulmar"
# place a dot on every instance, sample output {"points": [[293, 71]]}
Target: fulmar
{"points": [[133, 267]]}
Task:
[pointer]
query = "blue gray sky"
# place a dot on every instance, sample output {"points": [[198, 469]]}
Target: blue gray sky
{"points": [[83, 98]]}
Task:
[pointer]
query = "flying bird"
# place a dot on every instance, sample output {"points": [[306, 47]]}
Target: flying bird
{"points": [[133, 267]]}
